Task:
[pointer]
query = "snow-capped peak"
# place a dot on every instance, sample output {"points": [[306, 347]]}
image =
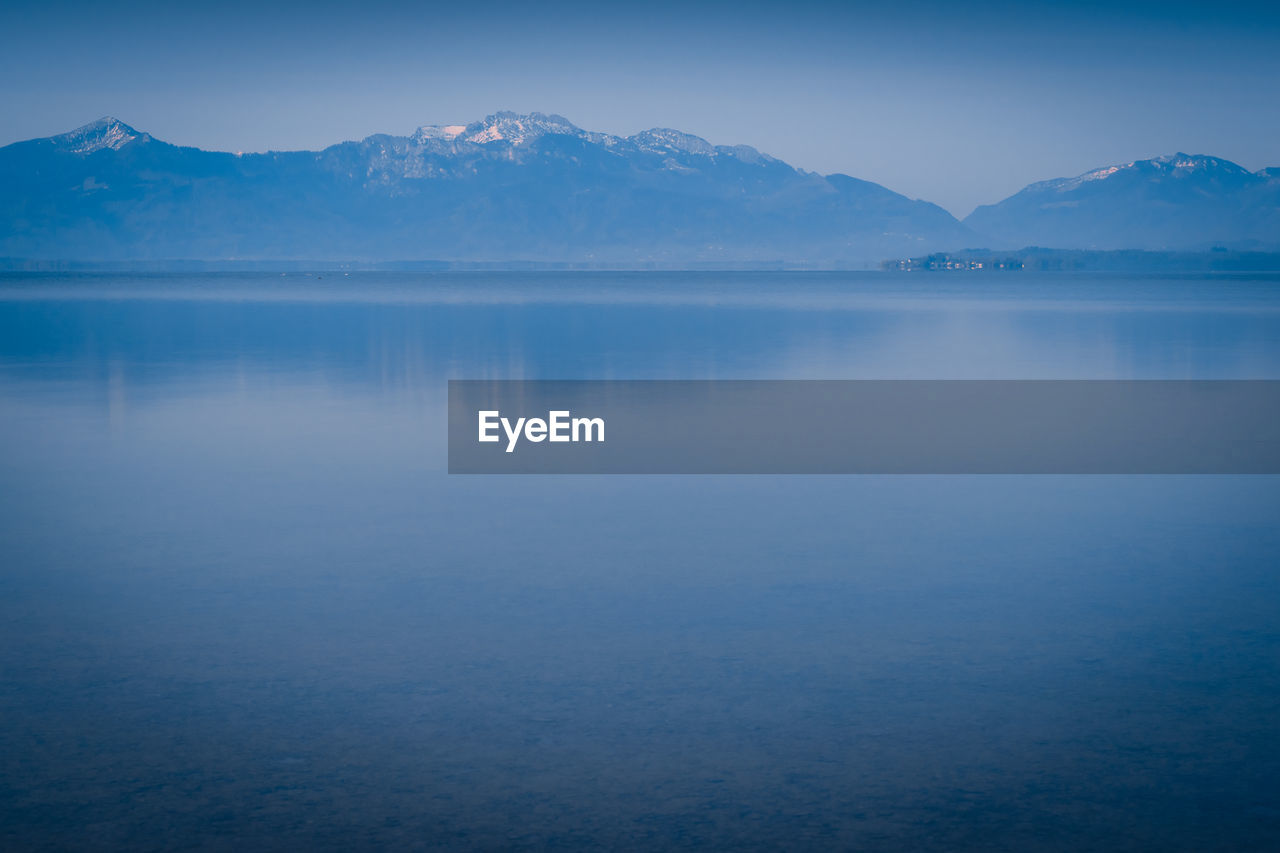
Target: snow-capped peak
{"points": [[438, 131], [106, 132], [664, 140], [516, 129], [1184, 164]]}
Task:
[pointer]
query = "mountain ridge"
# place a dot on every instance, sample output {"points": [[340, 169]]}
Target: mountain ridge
{"points": [[507, 187], [537, 187]]}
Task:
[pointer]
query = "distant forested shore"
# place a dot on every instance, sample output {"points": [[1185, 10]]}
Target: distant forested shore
{"points": [[1083, 260]]}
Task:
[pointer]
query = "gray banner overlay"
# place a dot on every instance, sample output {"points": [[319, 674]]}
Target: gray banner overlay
{"points": [[865, 427]]}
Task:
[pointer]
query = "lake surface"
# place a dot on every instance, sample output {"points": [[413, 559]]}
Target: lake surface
{"points": [[243, 607]]}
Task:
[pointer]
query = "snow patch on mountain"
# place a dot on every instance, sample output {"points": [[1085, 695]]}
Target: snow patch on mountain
{"points": [[1177, 165], [664, 140], [515, 130], [106, 132], [436, 131]]}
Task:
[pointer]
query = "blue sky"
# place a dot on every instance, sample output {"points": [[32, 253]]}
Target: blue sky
{"points": [[961, 104]]}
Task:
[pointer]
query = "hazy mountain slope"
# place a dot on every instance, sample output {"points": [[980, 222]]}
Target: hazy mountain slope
{"points": [[1179, 202]]}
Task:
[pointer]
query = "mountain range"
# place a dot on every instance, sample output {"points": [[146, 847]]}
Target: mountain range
{"points": [[1178, 202], [538, 188]]}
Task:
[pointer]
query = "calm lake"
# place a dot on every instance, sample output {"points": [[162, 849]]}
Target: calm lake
{"points": [[242, 605]]}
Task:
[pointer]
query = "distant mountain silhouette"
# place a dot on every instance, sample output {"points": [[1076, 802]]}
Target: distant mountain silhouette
{"points": [[1180, 202], [510, 187]]}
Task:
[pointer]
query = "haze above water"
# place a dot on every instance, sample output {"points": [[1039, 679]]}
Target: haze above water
{"points": [[243, 606]]}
